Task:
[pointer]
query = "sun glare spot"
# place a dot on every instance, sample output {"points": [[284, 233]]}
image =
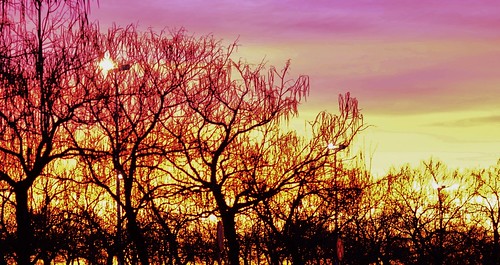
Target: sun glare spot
{"points": [[435, 185], [331, 146], [106, 64], [212, 218]]}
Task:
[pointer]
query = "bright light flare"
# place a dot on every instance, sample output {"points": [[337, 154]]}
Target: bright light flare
{"points": [[436, 185], [106, 64], [441, 186], [212, 218], [332, 146]]}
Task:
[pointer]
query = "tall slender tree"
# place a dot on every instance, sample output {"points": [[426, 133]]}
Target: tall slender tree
{"points": [[316, 205], [232, 110], [43, 48]]}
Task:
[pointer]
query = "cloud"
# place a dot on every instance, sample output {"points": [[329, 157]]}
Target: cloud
{"points": [[469, 122], [310, 20]]}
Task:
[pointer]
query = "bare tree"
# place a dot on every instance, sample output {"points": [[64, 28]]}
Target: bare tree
{"points": [[231, 112], [486, 205], [428, 206], [234, 148], [123, 145], [317, 204], [370, 235], [42, 49]]}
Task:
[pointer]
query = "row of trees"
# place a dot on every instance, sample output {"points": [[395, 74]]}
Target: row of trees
{"points": [[429, 215], [133, 146], [174, 131]]}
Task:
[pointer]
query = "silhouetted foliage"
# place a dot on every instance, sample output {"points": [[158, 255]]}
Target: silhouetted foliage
{"points": [[43, 46], [179, 154]]}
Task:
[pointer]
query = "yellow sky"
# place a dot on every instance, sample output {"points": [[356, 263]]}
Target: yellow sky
{"points": [[423, 99]]}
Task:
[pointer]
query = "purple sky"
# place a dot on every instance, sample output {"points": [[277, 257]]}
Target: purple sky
{"points": [[426, 73]]}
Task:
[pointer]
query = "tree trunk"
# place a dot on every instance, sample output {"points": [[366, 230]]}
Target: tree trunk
{"points": [[233, 246], [227, 215], [24, 242], [274, 258], [136, 236], [496, 244], [295, 253], [109, 258]]}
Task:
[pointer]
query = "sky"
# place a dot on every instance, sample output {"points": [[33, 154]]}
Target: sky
{"points": [[426, 73]]}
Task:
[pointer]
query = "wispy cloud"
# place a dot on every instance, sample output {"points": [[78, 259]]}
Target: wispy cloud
{"points": [[470, 122], [316, 18]]}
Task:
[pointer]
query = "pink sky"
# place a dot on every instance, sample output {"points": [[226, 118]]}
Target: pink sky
{"points": [[426, 73]]}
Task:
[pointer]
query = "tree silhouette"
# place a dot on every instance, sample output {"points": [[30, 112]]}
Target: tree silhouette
{"points": [[486, 203], [189, 143], [231, 117], [127, 136], [427, 206], [42, 49], [371, 237], [306, 217]]}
